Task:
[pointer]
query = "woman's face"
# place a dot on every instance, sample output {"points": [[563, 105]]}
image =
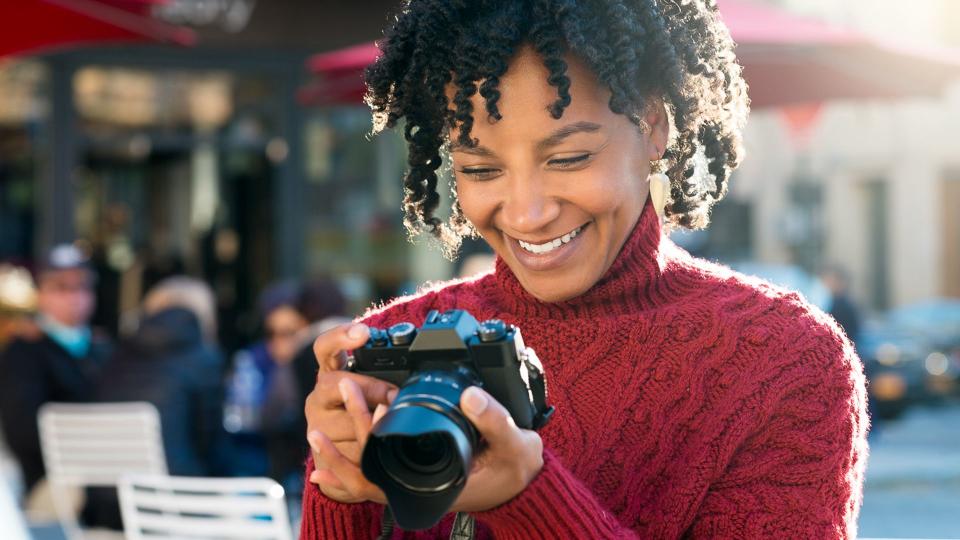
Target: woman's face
{"points": [[282, 327], [555, 199]]}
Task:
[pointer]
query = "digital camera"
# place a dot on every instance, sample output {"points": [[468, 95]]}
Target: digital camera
{"points": [[421, 452]]}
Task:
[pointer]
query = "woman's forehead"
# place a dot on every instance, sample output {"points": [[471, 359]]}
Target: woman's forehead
{"points": [[525, 89]]}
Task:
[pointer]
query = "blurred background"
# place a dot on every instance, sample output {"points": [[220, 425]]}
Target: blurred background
{"points": [[214, 153]]}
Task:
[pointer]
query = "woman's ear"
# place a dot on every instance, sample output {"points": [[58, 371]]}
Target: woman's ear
{"points": [[658, 120]]}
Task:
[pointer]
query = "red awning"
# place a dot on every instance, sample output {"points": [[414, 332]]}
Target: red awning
{"points": [[339, 75], [751, 23], [790, 60], [787, 60], [30, 26]]}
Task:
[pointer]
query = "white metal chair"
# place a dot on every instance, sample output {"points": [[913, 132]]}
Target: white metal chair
{"points": [[155, 506], [93, 445]]}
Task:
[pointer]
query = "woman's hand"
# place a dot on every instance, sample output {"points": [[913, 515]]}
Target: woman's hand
{"points": [[339, 418], [512, 459]]}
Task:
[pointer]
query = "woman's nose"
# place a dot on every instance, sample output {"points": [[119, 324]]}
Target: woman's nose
{"points": [[529, 207]]}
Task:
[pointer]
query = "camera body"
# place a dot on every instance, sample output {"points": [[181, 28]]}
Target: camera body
{"points": [[421, 451], [490, 354]]}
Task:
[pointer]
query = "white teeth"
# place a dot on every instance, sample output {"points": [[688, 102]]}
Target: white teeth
{"points": [[551, 245]]}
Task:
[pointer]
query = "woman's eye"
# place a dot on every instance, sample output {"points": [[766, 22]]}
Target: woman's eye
{"points": [[564, 163], [479, 173]]}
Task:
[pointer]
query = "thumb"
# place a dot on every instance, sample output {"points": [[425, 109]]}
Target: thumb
{"points": [[491, 419], [329, 346]]}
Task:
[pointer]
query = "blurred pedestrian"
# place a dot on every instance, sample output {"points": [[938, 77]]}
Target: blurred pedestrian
{"points": [[249, 376], [173, 362], [60, 363], [290, 330], [842, 307]]}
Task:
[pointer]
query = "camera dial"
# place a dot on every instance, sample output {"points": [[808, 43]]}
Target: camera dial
{"points": [[378, 337], [402, 334], [492, 330]]}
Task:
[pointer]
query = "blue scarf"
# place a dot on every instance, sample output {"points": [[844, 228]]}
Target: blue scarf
{"points": [[75, 339]]}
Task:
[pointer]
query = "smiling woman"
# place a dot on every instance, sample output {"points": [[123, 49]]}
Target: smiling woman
{"points": [[556, 197], [691, 401]]}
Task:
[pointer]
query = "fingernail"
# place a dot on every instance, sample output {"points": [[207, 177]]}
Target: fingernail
{"points": [[357, 331], [379, 412], [474, 401], [392, 395], [314, 477], [342, 385]]}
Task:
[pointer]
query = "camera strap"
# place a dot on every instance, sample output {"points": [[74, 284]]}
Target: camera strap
{"points": [[463, 527], [538, 389]]}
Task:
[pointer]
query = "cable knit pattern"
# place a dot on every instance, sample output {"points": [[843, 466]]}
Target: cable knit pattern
{"points": [[691, 401]]}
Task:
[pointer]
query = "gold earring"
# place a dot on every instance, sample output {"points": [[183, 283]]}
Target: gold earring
{"points": [[659, 189]]}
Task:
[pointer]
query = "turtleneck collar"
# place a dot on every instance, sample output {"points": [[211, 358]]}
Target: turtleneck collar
{"points": [[629, 283]]}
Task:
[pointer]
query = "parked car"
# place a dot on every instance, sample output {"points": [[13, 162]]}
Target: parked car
{"points": [[937, 322], [893, 362], [912, 355]]}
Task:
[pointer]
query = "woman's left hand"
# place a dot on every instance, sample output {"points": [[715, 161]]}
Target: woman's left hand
{"points": [[510, 461]]}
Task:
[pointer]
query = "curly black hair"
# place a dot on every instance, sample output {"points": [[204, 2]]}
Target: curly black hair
{"points": [[677, 51]]}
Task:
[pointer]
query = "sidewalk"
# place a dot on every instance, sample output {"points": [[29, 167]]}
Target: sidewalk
{"points": [[913, 477]]}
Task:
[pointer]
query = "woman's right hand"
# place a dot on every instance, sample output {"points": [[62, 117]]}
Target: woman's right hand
{"points": [[334, 433]]}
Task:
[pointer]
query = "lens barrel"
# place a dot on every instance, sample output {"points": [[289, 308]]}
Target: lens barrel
{"points": [[421, 451]]}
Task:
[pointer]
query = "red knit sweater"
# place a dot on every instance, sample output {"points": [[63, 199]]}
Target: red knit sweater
{"points": [[691, 402]]}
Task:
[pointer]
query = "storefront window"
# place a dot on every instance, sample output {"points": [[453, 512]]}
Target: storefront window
{"points": [[355, 221], [176, 176], [24, 86]]}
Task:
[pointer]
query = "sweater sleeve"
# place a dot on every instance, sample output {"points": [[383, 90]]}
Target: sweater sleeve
{"points": [[800, 474], [556, 504], [325, 518]]}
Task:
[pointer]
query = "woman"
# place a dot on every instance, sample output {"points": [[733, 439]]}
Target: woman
{"points": [[691, 401], [289, 332]]}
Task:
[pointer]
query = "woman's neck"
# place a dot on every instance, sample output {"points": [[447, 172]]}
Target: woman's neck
{"points": [[628, 284]]}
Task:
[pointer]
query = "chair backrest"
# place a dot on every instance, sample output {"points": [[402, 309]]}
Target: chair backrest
{"points": [[156, 506], [93, 444]]}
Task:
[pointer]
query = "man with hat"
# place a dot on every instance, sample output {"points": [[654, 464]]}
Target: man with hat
{"points": [[60, 363]]}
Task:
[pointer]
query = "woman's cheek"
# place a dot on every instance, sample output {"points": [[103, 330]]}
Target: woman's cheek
{"points": [[476, 205]]}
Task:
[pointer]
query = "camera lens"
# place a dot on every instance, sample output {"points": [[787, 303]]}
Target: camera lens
{"points": [[421, 451], [423, 463], [426, 454]]}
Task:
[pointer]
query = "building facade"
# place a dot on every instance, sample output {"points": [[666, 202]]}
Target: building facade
{"points": [[871, 187], [202, 160]]}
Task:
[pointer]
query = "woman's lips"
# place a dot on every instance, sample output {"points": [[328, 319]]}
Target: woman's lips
{"points": [[551, 259]]}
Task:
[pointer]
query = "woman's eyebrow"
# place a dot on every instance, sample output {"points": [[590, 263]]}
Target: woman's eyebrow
{"points": [[552, 140], [559, 135], [481, 151]]}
